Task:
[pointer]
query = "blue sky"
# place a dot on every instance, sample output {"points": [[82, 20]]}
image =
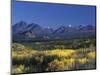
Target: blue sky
{"points": [[52, 15]]}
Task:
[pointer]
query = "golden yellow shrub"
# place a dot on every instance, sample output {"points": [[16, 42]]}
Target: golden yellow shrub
{"points": [[91, 55]]}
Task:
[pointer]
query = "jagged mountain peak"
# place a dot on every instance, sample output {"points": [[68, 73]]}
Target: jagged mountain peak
{"points": [[18, 27], [21, 23], [33, 25], [61, 29]]}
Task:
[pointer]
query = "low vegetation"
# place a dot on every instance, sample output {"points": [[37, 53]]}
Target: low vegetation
{"points": [[25, 61], [53, 56]]}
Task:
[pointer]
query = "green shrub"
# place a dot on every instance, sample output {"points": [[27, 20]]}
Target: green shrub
{"points": [[16, 46]]}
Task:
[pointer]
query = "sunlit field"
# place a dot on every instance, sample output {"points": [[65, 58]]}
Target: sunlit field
{"points": [[29, 60]]}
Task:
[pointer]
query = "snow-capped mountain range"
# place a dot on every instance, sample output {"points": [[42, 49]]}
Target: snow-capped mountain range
{"points": [[23, 30]]}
